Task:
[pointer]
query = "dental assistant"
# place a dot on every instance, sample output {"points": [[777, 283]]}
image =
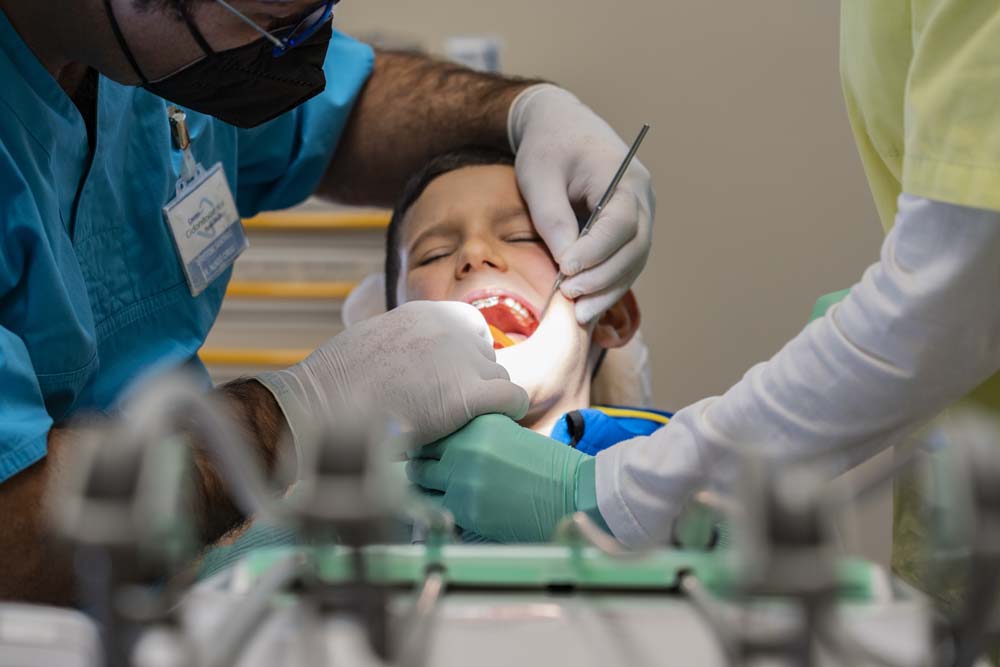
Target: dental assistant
{"points": [[919, 331], [120, 220]]}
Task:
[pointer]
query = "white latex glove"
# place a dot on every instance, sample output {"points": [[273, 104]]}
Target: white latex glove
{"points": [[429, 364], [566, 154], [919, 331]]}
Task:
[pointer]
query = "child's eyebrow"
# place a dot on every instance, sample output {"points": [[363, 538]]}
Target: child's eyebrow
{"points": [[439, 228], [509, 213]]}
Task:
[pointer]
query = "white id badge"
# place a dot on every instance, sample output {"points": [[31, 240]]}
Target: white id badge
{"points": [[206, 227]]}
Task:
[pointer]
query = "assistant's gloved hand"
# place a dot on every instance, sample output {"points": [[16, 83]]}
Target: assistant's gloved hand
{"points": [[505, 482], [430, 365], [566, 155]]}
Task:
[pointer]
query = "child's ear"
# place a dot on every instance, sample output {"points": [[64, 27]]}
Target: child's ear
{"points": [[617, 326]]}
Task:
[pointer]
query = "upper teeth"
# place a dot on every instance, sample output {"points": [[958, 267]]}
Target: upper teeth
{"points": [[509, 302]]}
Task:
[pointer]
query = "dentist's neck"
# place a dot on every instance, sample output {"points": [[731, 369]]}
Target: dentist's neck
{"points": [[67, 37], [41, 26]]}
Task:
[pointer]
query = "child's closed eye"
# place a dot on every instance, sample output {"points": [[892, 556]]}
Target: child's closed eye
{"points": [[434, 256], [524, 237]]}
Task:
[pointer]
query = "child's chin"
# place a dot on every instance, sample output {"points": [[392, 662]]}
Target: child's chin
{"points": [[534, 420]]}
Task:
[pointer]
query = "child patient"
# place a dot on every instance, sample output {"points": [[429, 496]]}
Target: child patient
{"points": [[462, 232]]}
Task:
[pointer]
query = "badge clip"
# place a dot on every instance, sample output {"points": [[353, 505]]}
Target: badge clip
{"points": [[190, 169]]}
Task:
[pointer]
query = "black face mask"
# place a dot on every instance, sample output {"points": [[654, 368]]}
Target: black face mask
{"points": [[245, 87]]}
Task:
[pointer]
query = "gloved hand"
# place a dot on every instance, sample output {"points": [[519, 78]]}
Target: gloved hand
{"points": [[505, 482], [566, 154], [430, 365]]}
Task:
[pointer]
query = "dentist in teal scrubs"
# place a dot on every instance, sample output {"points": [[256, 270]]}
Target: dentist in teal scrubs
{"points": [[133, 136]]}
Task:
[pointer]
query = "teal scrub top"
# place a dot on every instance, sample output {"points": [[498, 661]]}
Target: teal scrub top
{"points": [[92, 294]]}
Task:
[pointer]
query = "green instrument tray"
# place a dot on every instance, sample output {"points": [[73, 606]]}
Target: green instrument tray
{"points": [[540, 567]]}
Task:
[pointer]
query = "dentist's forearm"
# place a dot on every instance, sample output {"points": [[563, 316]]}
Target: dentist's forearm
{"points": [[34, 568], [262, 426], [918, 332], [413, 108]]}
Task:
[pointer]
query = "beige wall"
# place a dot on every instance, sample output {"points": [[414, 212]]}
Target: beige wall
{"points": [[762, 201]]}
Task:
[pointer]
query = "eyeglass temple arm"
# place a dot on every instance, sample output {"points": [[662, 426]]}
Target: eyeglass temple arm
{"points": [[250, 22]]}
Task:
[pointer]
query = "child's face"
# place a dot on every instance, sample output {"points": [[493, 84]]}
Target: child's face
{"points": [[469, 238]]}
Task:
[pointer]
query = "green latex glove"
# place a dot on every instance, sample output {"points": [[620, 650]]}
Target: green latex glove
{"points": [[506, 482], [824, 303]]}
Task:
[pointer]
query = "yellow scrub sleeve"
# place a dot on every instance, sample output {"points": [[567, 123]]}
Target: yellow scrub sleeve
{"points": [[921, 81]]}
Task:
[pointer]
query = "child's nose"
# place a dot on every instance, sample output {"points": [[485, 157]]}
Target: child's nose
{"points": [[479, 254]]}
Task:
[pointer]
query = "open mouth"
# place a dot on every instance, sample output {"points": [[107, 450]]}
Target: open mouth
{"points": [[511, 318]]}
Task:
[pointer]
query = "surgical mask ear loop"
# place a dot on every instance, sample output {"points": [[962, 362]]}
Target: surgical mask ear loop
{"points": [[123, 43]]}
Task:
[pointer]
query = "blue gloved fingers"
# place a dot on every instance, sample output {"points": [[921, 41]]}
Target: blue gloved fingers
{"points": [[433, 451], [428, 474], [480, 428], [435, 498], [616, 226]]}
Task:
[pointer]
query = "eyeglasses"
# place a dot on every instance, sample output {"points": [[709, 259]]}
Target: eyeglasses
{"points": [[286, 39]]}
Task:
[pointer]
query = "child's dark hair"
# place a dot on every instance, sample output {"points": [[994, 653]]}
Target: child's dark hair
{"points": [[472, 156]]}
